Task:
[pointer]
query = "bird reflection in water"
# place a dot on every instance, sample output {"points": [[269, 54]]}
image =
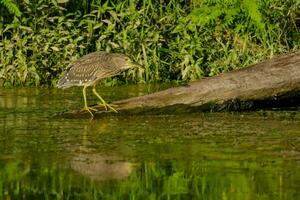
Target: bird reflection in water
{"points": [[102, 167], [99, 166]]}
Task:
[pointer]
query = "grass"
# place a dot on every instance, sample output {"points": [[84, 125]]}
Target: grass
{"points": [[175, 40]]}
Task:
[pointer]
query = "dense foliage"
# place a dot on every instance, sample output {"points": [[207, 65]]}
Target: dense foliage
{"points": [[174, 39]]}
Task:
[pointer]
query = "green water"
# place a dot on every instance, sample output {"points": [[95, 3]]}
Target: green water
{"points": [[254, 155]]}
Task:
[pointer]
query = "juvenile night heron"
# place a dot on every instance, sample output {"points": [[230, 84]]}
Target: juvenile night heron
{"points": [[91, 68]]}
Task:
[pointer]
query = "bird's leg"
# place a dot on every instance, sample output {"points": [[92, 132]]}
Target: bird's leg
{"points": [[102, 101], [85, 102]]}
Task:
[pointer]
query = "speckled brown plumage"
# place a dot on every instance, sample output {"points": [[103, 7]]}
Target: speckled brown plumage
{"points": [[89, 69]]}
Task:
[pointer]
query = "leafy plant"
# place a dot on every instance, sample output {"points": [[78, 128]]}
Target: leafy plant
{"points": [[12, 7], [174, 40]]}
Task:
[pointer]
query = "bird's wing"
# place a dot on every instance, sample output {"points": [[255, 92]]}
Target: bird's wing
{"points": [[88, 69]]}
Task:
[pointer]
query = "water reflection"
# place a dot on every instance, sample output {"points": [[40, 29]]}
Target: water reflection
{"points": [[97, 166], [184, 156], [101, 167]]}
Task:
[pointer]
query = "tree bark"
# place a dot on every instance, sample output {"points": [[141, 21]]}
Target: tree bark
{"points": [[270, 81]]}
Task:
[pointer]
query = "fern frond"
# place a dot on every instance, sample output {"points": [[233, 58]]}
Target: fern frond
{"points": [[252, 9], [11, 7], [205, 15]]}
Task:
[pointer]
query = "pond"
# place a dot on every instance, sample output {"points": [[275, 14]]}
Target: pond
{"points": [[245, 155]]}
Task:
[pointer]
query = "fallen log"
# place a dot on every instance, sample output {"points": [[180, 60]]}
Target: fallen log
{"points": [[270, 81]]}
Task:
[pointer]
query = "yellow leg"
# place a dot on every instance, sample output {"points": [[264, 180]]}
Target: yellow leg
{"points": [[85, 102], [102, 101]]}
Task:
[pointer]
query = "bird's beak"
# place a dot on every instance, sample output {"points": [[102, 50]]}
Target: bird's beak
{"points": [[139, 68], [135, 65]]}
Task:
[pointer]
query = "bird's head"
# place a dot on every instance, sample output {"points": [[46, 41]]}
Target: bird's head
{"points": [[125, 62]]}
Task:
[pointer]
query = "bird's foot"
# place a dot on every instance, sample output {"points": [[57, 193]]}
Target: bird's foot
{"points": [[106, 106], [89, 109]]}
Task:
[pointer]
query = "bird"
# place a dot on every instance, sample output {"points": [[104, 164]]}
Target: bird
{"points": [[90, 69]]}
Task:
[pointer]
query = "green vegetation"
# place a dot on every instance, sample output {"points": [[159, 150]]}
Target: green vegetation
{"points": [[215, 156], [160, 180], [174, 40]]}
